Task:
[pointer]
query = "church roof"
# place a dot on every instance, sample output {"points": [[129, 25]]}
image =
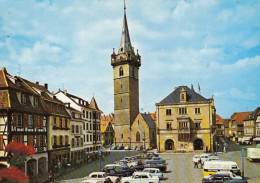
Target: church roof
{"points": [[148, 120], [174, 97], [125, 44]]}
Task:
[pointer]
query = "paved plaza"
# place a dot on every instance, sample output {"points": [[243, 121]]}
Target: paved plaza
{"points": [[179, 166]]}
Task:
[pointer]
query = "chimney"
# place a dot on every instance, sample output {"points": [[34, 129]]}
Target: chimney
{"points": [[37, 82], [46, 85], [65, 92]]}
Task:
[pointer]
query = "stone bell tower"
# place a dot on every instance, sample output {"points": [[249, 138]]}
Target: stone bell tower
{"points": [[126, 86]]}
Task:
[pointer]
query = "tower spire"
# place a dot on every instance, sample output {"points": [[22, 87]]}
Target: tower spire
{"points": [[125, 44]]}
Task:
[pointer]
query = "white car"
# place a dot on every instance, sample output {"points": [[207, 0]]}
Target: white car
{"points": [[232, 175], [102, 176], [143, 177], [92, 181], [154, 172]]}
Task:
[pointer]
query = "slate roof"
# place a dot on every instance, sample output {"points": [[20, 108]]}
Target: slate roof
{"points": [[174, 97], [239, 117], [219, 120], [50, 102], [253, 115], [148, 120], [93, 104], [8, 95]]}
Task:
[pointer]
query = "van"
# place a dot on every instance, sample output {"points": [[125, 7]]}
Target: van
{"points": [[211, 167]]}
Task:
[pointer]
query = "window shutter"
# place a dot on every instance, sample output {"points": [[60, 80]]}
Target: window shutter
{"points": [[35, 121], [25, 120], [15, 119], [57, 121], [37, 140], [44, 140], [21, 138], [1, 143], [30, 140]]}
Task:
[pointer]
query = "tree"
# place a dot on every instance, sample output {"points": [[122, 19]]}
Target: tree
{"points": [[13, 174], [17, 153]]}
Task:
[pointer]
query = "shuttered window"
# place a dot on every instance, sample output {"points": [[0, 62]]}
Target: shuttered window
{"points": [[1, 143], [30, 140]]}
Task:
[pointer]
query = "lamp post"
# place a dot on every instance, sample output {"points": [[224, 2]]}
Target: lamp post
{"points": [[243, 164], [144, 140], [129, 142]]}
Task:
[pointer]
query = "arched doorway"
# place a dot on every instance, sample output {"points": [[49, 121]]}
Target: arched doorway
{"points": [[169, 144], [42, 166], [31, 168], [198, 144]]}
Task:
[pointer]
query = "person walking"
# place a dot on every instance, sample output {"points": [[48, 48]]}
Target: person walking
{"points": [[51, 176], [196, 163], [200, 163]]}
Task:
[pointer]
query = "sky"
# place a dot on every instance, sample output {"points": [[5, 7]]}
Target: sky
{"points": [[68, 44]]}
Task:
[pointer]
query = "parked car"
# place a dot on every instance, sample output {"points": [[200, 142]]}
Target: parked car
{"points": [[124, 166], [230, 174], [149, 155], [162, 167], [142, 177], [92, 181], [120, 147], [155, 160], [221, 178], [139, 148], [127, 147], [154, 172], [114, 147], [116, 170], [102, 176]]}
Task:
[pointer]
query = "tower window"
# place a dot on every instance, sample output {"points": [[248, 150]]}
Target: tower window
{"points": [[121, 71], [122, 136]]}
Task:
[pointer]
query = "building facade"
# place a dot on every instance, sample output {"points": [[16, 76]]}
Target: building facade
{"points": [[220, 128], [58, 126], [143, 131], [236, 125], [126, 85], [107, 130], [185, 121], [256, 140], [23, 119], [250, 126]]}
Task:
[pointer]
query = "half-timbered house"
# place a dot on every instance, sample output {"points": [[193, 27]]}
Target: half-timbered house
{"points": [[23, 119]]}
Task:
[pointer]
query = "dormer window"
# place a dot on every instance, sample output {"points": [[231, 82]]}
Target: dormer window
{"points": [[121, 71], [183, 95]]}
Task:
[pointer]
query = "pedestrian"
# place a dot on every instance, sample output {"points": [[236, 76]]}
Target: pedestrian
{"points": [[109, 180], [199, 163], [106, 180], [51, 176], [196, 163]]}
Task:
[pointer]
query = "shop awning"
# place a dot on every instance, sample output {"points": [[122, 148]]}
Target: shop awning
{"points": [[257, 139]]}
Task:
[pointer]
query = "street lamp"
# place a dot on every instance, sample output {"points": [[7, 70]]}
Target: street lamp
{"points": [[243, 164], [144, 140], [129, 142]]}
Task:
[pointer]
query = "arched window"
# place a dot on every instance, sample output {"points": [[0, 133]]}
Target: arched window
{"points": [[137, 137], [121, 71], [182, 96]]}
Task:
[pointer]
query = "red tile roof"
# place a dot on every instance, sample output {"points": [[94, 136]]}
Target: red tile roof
{"points": [[219, 120], [240, 116]]}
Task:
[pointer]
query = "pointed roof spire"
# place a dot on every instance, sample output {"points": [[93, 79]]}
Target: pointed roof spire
{"points": [[125, 44]]}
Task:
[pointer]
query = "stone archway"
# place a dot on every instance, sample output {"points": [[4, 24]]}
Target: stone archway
{"points": [[31, 168], [169, 144], [198, 144]]}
